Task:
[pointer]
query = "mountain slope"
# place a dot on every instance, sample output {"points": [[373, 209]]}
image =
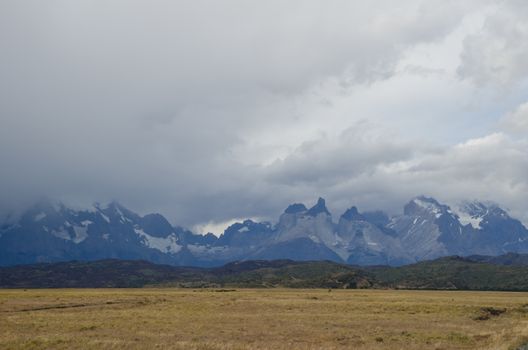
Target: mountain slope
{"points": [[123, 273], [453, 273], [427, 229], [444, 273], [50, 232], [510, 259]]}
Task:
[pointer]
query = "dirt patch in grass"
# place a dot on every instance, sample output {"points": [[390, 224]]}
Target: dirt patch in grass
{"points": [[485, 313]]}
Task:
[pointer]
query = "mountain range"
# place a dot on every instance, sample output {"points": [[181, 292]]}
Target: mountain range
{"points": [[427, 229]]}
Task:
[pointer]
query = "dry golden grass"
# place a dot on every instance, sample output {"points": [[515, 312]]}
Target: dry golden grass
{"points": [[260, 319]]}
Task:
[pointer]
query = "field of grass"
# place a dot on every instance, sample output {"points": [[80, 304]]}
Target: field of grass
{"points": [[261, 319]]}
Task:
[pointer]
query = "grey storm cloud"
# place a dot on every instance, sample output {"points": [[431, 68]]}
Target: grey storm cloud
{"points": [[207, 111], [359, 149]]}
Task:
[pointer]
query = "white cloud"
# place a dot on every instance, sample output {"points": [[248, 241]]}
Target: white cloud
{"points": [[517, 121], [497, 54], [217, 228]]}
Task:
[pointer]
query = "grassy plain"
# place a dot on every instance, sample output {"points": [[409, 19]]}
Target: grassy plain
{"points": [[261, 319]]}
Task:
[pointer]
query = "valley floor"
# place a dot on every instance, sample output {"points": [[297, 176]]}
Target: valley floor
{"points": [[261, 319]]}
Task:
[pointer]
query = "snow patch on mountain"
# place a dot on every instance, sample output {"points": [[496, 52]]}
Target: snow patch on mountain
{"points": [[168, 244], [428, 206], [81, 233], [475, 212], [61, 233], [106, 218], [466, 219]]}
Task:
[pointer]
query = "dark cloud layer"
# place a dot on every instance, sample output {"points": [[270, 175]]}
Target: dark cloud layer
{"points": [[208, 111]]}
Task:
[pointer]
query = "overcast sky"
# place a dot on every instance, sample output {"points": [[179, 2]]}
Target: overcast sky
{"points": [[209, 111]]}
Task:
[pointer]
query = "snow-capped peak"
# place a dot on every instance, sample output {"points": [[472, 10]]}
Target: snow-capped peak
{"points": [[425, 205], [473, 213]]}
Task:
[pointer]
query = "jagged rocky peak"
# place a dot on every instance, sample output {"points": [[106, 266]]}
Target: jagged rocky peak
{"points": [[429, 229], [244, 226], [248, 222], [318, 208], [116, 212], [156, 225], [290, 216], [481, 209], [353, 214], [295, 208], [425, 206]]}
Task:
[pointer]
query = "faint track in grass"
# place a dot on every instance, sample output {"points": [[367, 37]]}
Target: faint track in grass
{"points": [[73, 306]]}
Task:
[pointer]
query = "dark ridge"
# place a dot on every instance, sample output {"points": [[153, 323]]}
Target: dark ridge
{"points": [[353, 214], [295, 208], [320, 207], [454, 272], [509, 259]]}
